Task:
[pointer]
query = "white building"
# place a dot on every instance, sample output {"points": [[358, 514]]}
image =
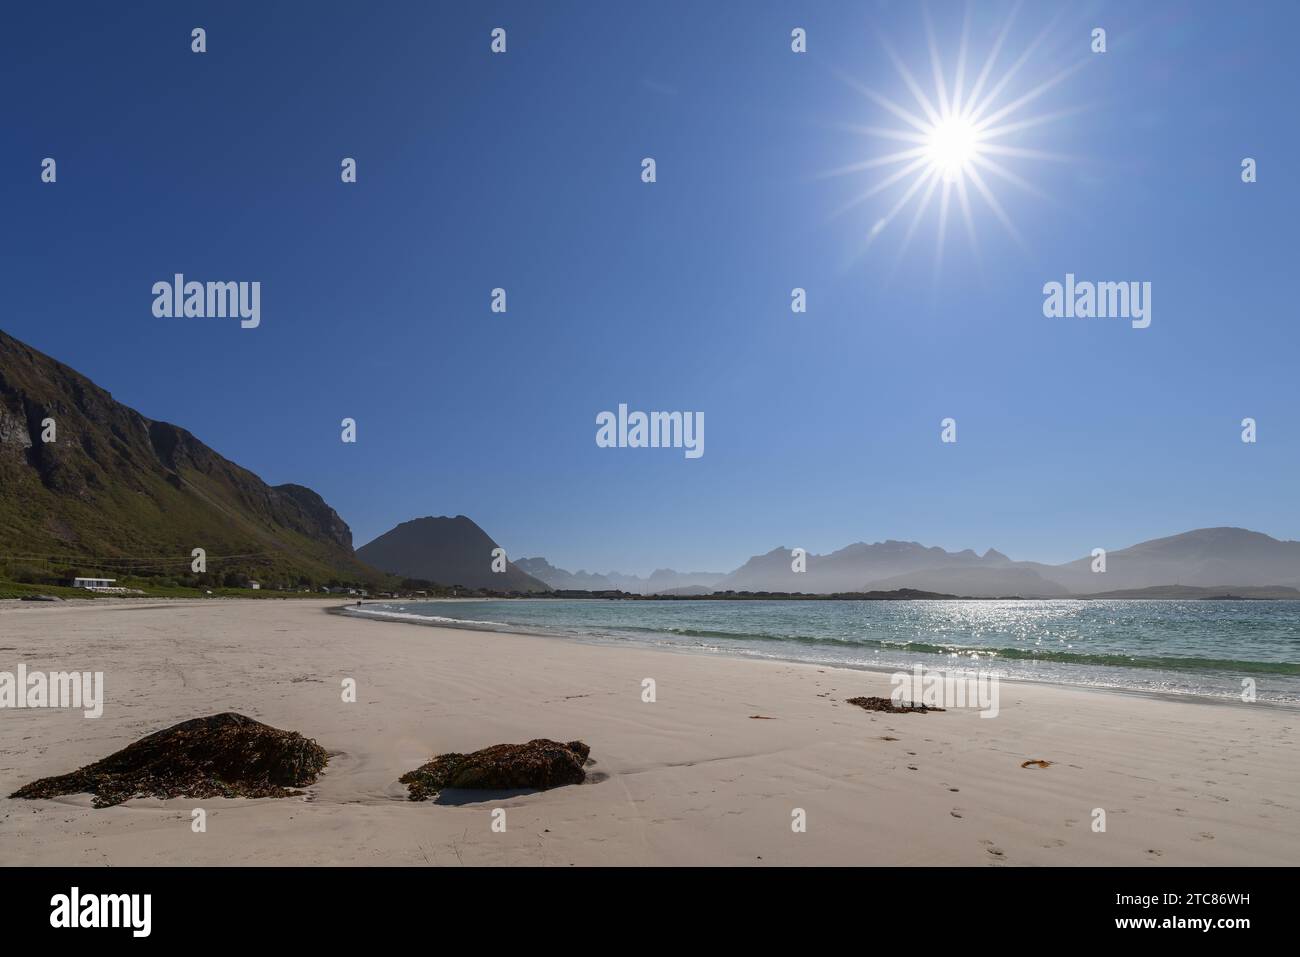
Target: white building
{"points": [[93, 583]]}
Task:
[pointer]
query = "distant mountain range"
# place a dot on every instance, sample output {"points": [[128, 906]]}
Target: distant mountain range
{"points": [[116, 491], [1209, 560], [660, 581], [852, 568], [450, 551]]}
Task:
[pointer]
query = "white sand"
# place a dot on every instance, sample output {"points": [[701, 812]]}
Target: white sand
{"points": [[689, 779]]}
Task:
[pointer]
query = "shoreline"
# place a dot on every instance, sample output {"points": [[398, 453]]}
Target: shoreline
{"points": [[690, 778], [350, 611]]}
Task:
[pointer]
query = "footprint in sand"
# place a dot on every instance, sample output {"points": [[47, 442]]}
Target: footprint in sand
{"points": [[1155, 853], [993, 849], [955, 812], [1204, 836], [1055, 842]]}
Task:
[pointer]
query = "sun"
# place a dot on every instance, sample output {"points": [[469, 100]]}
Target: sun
{"points": [[951, 146], [960, 139]]}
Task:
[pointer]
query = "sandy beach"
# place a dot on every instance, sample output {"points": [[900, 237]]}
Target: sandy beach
{"points": [[692, 778]]}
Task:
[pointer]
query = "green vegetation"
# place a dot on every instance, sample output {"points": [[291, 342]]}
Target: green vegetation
{"points": [[23, 580], [113, 494]]}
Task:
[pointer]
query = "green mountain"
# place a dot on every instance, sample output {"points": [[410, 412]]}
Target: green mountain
{"points": [[119, 494]]}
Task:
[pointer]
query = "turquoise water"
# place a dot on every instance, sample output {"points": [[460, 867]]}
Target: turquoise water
{"points": [[1188, 647]]}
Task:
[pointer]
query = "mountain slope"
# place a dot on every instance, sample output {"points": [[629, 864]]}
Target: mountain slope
{"points": [[1211, 557], [449, 551], [116, 485]]}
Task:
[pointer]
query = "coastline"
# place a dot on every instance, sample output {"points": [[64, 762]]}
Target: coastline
{"points": [[692, 778], [881, 669]]}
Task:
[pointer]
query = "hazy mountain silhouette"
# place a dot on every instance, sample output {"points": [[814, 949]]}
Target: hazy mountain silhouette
{"points": [[1199, 592], [1210, 557], [449, 551], [850, 568], [1213, 558], [660, 580]]}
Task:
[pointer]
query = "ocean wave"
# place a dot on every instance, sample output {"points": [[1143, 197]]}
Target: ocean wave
{"points": [[429, 619], [1114, 659]]}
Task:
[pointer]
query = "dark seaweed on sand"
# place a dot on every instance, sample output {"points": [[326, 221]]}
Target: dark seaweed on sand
{"points": [[540, 764], [884, 704], [222, 755]]}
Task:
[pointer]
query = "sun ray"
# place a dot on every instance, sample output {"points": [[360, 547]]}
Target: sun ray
{"points": [[1020, 61], [898, 207], [883, 133], [996, 207], [887, 104], [940, 83], [960, 80], [1025, 153], [887, 160], [879, 187], [1025, 124], [1032, 95], [997, 169], [910, 82], [933, 177], [963, 196], [993, 55], [943, 228]]}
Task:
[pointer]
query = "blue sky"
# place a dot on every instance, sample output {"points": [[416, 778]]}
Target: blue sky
{"points": [[523, 171]]}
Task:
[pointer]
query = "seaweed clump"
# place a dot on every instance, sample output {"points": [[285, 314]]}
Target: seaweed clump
{"points": [[885, 704], [221, 755], [540, 764]]}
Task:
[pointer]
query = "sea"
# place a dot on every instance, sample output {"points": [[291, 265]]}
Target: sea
{"points": [[1214, 649]]}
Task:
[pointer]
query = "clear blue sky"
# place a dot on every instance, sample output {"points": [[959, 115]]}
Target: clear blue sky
{"points": [[523, 171]]}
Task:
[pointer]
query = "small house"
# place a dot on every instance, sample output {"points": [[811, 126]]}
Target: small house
{"points": [[93, 583]]}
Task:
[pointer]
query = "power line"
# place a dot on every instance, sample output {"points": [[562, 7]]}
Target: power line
{"points": [[165, 559]]}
